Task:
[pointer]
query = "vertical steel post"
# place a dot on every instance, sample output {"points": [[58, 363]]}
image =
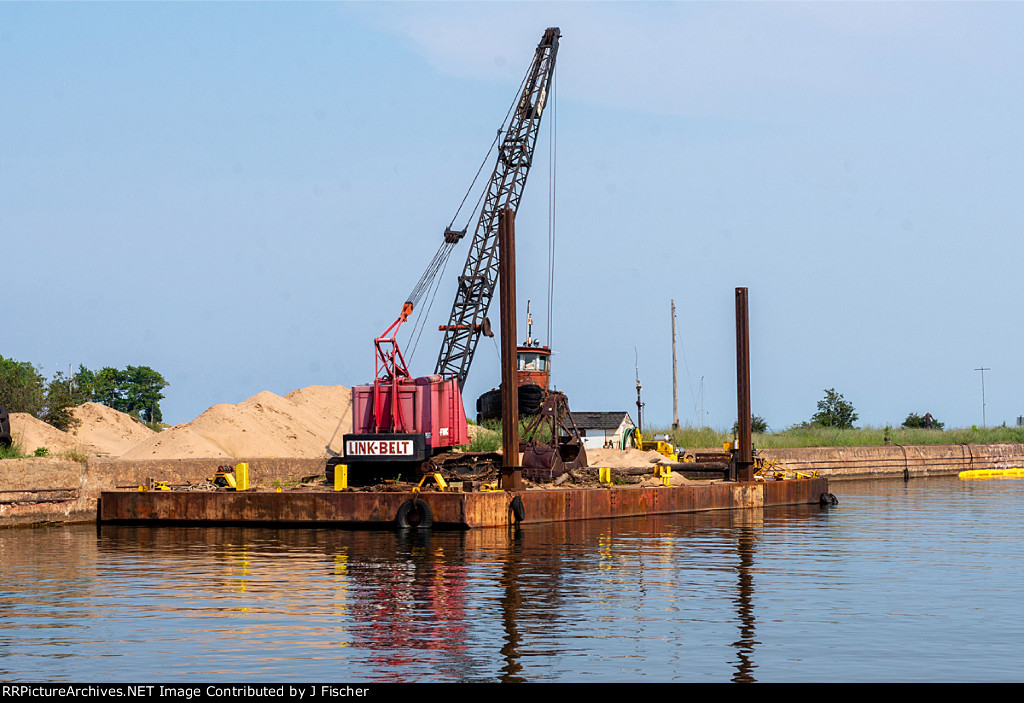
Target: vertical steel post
{"points": [[983, 369], [511, 472], [675, 382], [744, 455]]}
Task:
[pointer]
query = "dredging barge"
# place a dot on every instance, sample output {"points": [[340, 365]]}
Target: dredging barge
{"points": [[449, 509], [514, 505]]}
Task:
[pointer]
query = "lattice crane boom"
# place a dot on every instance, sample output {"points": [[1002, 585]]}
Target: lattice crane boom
{"points": [[505, 189]]}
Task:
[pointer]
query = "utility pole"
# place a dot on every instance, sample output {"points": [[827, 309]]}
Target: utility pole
{"points": [[702, 402], [983, 369], [675, 383], [639, 403]]}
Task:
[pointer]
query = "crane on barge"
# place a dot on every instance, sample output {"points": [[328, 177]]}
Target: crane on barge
{"points": [[402, 419]]}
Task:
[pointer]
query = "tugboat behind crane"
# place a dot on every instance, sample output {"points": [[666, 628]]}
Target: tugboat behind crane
{"points": [[533, 373], [548, 410]]}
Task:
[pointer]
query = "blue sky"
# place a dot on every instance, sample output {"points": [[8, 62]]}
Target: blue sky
{"points": [[241, 195]]}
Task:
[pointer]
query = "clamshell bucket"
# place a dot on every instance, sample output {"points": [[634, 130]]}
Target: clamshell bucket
{"points": [[563, 451]]}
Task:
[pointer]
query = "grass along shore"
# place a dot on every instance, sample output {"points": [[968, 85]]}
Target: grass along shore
{"points": [[805, 436], [834, 437]]}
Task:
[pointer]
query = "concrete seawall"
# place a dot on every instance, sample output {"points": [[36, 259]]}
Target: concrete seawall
{"points": [[45, 491], [898, 461]]}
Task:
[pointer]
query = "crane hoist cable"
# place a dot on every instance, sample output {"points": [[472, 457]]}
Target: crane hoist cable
{"points": [[451, 235], [420, 323], [429, 282], [468, 317], [552, 164], [432, 277]]}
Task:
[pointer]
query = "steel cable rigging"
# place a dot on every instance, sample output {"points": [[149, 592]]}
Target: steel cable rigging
{"points": [[515, 142]]}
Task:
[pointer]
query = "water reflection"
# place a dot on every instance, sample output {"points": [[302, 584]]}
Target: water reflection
{"points": [[745, 605], [410, 604], [717, 596]]}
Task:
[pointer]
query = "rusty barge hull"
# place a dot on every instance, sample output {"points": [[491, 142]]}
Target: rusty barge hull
{"points": [[451, 510]]}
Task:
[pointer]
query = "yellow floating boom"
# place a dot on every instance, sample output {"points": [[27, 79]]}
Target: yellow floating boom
{"points": [[991, 473]]}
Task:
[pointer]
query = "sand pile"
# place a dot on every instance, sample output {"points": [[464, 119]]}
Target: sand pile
{"points": [[31, 433], [102, 431], [477, 431], [297, 425], [107, 431], [624, 458]]}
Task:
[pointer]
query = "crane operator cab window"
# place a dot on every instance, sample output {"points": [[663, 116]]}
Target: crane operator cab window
{"points": [[532, 361]]}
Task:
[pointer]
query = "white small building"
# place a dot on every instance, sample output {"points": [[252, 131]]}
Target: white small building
{"points": [[599, 430]]}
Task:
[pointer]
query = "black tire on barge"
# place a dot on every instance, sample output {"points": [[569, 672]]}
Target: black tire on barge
{"points": [[415, 513], [5, 428]]}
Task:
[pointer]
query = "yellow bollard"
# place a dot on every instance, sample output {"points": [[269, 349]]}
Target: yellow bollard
{"points": [[665, 474], [604, 474], [438, 478], [340, 477], [242, 476]]}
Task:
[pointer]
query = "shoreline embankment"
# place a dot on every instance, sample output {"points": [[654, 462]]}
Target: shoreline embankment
{"points": [[36, 491], [42, 491], [897, 460]]}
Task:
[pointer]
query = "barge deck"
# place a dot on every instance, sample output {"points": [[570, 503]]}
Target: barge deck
{"points": [[449, 509]]}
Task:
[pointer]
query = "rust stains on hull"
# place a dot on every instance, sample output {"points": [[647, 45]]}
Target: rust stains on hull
{"points": [[462, 510]]}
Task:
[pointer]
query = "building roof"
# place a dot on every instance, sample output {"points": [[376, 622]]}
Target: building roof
{"points": [[600, 421]]}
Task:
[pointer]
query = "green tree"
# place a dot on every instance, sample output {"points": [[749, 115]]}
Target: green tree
{"points": [[21, 387], [136, 390], [143, 388], [833, 411], [108, 388], [926, 422], [84, 384], [61, 399], [757, 424]]}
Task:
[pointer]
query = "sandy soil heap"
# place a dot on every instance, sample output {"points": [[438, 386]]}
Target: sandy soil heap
{"points": [[624, 458], [107, 431], [31, 433], [300, 424], [102, 431]]}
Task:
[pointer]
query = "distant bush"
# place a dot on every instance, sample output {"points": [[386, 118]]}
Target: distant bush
{"points": [[758, 425], [833, 411], [927, 422], [485, 441]]}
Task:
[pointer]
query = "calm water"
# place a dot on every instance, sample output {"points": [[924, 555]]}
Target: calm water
{"points": [[899, 582]]}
